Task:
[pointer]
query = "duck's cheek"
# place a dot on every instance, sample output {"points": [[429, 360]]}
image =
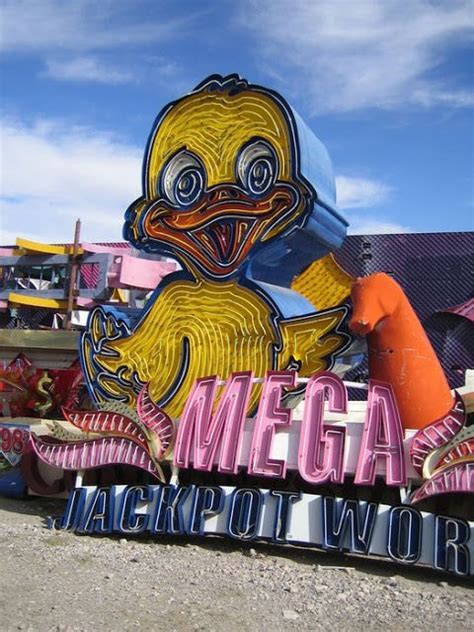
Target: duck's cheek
{"points": [[134, 216], [144, 221], [285, 204]]}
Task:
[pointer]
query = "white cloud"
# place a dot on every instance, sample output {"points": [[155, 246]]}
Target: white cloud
{"points": [[360, 192], [86, 69], [52, 174], [92, 41], [345, 55], [82, 25], [104, 69], [364, 193], [431, 96]]}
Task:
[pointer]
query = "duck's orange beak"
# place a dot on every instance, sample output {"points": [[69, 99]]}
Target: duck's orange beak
{"points": [[218, 231]]}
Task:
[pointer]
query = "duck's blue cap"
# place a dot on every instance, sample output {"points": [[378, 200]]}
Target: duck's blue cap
{"points": [[325, 227]]}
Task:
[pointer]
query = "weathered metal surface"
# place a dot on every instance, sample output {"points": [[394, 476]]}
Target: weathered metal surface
{"points": [[24, 339]]}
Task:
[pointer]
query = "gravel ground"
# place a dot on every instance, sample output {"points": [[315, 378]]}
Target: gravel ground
{"points": [[54, 580]]}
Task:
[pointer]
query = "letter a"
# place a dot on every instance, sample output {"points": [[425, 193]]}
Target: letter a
{"points": [[382, 438]]}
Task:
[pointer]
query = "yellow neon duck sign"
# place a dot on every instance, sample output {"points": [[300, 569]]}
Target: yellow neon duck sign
{"points": [[241, 193]]}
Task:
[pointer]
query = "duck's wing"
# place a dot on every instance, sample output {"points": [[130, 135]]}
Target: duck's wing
{"points": [[101, 360], [311, 342]]}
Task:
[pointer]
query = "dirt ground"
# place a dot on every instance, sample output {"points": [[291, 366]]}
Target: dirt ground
{"points": [[53, 580]]}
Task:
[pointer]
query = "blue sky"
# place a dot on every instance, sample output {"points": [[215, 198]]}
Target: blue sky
{"points": [[387, 86]]}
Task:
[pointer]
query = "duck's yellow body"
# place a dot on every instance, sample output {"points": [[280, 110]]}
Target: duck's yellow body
{"points": [[199, 327]]}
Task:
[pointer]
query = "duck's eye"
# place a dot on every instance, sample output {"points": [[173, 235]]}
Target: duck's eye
{"points": [[257, 167], [183, 179]]}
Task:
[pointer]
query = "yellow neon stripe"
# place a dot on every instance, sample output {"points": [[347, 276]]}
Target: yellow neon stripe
{"points": [[36, 301], [50, 249]]}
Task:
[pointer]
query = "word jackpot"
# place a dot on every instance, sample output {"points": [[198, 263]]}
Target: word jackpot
{"points": [[401, 533]]}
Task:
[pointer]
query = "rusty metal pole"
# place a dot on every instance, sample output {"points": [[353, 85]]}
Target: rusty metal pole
{"points": [[73, 275]]}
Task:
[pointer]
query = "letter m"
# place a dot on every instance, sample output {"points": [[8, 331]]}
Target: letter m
{"points": [[201, 432]]}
